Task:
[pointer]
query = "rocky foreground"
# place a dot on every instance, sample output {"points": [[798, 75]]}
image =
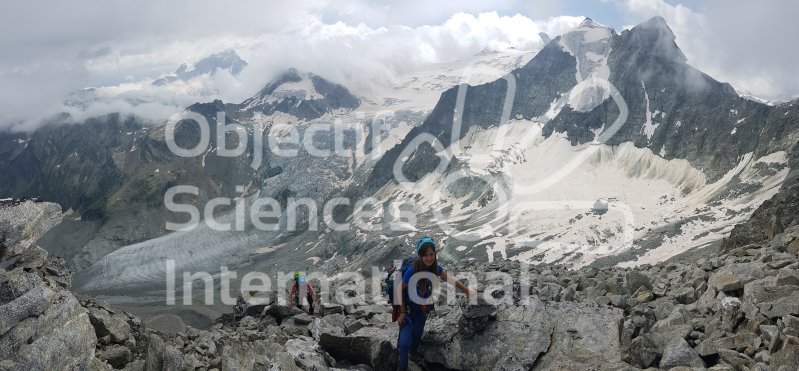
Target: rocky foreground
{"points": [[737, 309]]}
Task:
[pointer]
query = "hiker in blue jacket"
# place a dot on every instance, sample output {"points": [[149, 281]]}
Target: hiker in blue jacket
{"points": [[413, 315]]}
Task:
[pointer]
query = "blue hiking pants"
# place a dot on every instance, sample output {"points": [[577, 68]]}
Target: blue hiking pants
{"points": [[410, 335]]}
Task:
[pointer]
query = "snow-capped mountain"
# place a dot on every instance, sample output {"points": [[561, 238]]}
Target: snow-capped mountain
{"points": [[226, 60], [601, 148], [305, 96], [187, 84], [643, 153]]}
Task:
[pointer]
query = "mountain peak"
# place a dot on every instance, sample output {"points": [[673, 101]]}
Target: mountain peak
{"points": [[590, 23], [227, 60], [656, 35], [656, 21], [589, 43], [302, 94], [291, 83]]}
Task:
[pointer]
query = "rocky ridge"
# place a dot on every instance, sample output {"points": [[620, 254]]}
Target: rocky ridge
{"points": [[725, 311]]}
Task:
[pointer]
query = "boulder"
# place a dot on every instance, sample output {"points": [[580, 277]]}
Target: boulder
{"points": [[642, 352], [281, 312], [786, 305], [737, 360], [105, 323], [372, 346], [117, 356], [788, 277], [637, 282], [23, 223], [786, 359], [327, 325], [679, 353], [644, 296], [30, 304], [734, 276], [242, 355], [173, 359], [730, 313], [539, 333], [15, 283], [332, 308], [31, 258], [58, 337], [307, 354], [154, 355]]}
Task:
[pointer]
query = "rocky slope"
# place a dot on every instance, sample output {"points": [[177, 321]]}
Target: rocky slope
{"points": [[691, 141], [735, 310]]}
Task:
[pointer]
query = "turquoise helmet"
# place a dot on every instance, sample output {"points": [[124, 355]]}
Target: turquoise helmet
{"points": [[424, 241]]}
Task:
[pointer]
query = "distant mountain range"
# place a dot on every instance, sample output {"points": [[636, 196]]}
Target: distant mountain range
{"points": [[690, 160]]}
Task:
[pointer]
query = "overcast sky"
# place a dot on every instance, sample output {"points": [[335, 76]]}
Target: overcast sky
{"points": [[52, 48]]}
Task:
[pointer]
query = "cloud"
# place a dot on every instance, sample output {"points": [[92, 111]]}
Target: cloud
{"points": [[357, 55], [120, 47], [751, 45]]}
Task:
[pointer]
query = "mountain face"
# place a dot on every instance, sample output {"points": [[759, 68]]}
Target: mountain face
{"points": [[113, 171], [227, 60], [668, 161], [689, 148], [659, 87], [305, 96]]}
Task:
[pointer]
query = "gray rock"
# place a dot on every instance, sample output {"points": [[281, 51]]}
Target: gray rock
{"points": [[31, 304], [618, 301], [15, 283], [302, 319], [642, 352], [332, 308], [354, 326], [326, 325], [105, 323], [730, 313], [786, 359], [95, 364], [307, 354], [137, 365], [735, 276], [173, 359], [679, 353], [762, 356], [739, 341], [788, 277], [22, 224], [685, 295], [60, 337], [154, 355], [737, 360], [761, 293], [636, 282], [644, 296], [371, 346], [547, 331], [281, 312], [246, 356], [791, 321], [31, 258], [771, 337], [787, 305], [117, 356]]}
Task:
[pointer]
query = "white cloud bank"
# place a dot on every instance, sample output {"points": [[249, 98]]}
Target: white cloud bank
{"points": [[54, 49], [749, 44]]}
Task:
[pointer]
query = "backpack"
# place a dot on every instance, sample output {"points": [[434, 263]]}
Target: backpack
{"points": [[406, 263]]}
